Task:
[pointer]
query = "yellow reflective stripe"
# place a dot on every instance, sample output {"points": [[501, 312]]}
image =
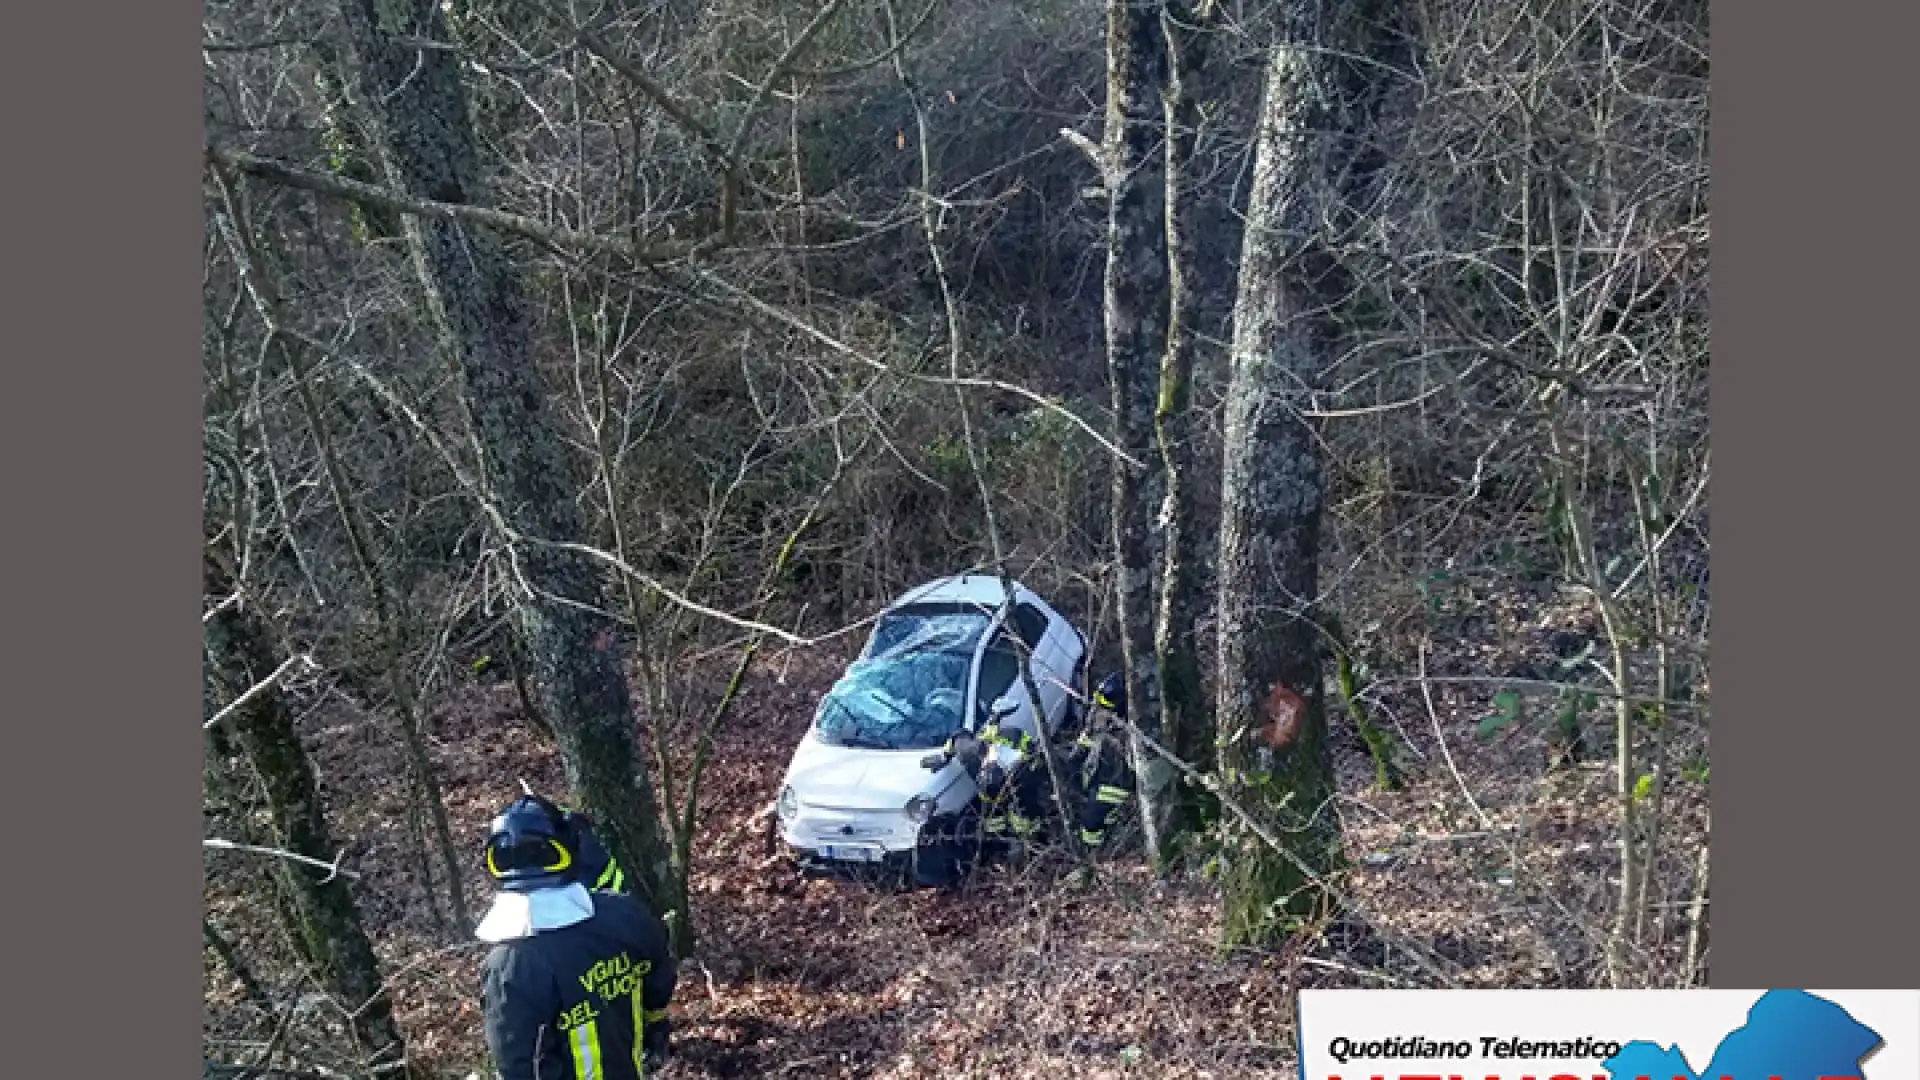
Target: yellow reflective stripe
{"points": [[1092, 837], [1111, 795], [1102, 701], [655, 1015], [585, 1041], [639, 1030], [610, 877]]}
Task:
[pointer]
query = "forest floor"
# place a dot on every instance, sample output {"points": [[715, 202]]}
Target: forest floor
{"points": [[1500, 870]]}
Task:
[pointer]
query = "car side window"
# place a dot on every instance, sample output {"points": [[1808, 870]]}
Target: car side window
{"points": [[999, 667], [1031, 624]]}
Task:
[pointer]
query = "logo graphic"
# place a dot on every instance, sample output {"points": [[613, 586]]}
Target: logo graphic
{"points": [[1783, 1034], [1789, 1035]]}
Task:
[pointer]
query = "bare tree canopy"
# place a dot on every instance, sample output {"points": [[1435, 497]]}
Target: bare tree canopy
{"points": [[585, 383]]}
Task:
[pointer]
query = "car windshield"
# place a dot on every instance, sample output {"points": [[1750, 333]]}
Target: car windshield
{"points": [[909, 689]]}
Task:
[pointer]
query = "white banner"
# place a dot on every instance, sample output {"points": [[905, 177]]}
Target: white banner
{"points": [[1609, 1034]]}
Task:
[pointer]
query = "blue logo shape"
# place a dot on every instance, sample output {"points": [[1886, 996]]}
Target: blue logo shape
{"points": [[1789, 1034]]}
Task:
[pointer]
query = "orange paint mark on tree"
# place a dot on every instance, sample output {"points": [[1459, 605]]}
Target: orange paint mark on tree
{"points": [[1284, 711]]}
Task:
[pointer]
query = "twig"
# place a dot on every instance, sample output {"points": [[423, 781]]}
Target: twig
{"points": [[1545, 684], [855, 353], [1091, 149], [1699, 489], [261, 687], [1314, 961], [333, 868], [1494, 831], [1696, 920]]}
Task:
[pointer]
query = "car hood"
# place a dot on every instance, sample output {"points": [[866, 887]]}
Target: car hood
{"points": [[850, 778]]}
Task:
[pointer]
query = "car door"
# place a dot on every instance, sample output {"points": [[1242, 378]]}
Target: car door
{"points": [[1035, 629]]}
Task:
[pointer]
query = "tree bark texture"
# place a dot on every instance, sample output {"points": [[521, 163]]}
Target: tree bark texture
{"points": [[1274, 755], [1184, 713], [1136, 320], [241, 651], [418, 107]]}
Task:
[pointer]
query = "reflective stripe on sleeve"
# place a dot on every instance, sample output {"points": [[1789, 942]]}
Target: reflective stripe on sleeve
{"points": [[1111, 795], [585, 1043]]}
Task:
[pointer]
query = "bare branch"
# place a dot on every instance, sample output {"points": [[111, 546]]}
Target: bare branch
{"points": [[333, 868], [855, 353], [339, 187], [779, 70], [261, 687]]}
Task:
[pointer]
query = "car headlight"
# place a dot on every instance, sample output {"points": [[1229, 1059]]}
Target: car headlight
{"points": [[789, 804], [919, 809]]}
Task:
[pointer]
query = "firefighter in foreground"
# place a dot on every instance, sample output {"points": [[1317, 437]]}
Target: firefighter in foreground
{"points": [[1097, 765], [577, 985]]}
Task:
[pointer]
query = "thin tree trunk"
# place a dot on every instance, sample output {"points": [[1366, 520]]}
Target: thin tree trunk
{"points": [[1136, 329], [328, 934], [262, 284], [426, 140], [1274, 751], [1586, 561], [1185, 717]]}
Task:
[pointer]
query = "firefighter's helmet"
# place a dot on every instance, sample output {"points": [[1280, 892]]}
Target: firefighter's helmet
{"points": [[531, 845]]}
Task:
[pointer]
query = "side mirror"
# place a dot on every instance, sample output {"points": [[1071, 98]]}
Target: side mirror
{"points": [[934, 762]]}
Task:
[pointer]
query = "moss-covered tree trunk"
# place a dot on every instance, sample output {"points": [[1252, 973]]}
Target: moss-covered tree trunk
{"points": [[1136, 321], [1274, 753], [1330, 77], [1184, 714], [418, 107], [241, 652]]}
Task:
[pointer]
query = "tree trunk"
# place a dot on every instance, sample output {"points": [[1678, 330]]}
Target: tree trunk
{"points": [[1136, 318], [391, 624], [425, 134], [1184, 714], [328, 933], [1275, 757]]}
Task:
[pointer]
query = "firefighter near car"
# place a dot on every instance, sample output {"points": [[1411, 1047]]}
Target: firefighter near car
{"points": [[1012, 789], [1097, 764], [579, 979]]}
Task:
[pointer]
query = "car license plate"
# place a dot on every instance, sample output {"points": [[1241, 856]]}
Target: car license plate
{"points": [[850, 852]]}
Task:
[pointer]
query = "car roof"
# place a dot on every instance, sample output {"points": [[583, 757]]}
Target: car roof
{"points": [[984, 590]]}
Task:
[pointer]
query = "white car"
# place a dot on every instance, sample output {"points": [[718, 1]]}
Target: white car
{"points": [[941, 660]]}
